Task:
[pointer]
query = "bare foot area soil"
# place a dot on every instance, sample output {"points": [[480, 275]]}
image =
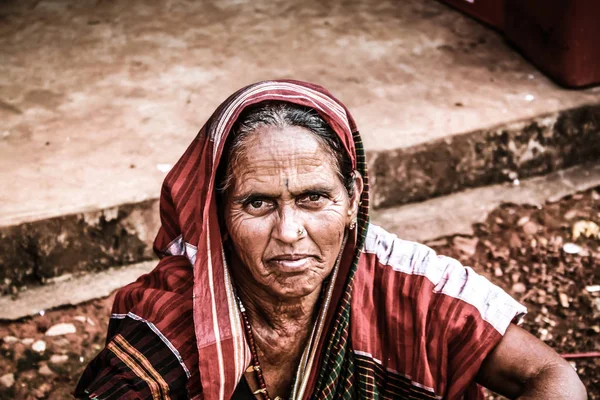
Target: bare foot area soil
{"points": [[547, 258]]}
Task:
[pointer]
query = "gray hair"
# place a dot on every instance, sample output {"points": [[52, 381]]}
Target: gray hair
{"points": [[282, 114]]}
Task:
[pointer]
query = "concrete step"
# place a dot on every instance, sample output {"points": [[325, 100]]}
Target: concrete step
{"points": [[90, 125], [454, 214], [70, 290]]}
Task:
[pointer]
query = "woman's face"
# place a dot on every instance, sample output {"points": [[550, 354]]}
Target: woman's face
{"points": [[283, 184]]}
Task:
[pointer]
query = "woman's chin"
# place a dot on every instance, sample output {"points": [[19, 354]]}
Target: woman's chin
{"points": [[294, 288]]}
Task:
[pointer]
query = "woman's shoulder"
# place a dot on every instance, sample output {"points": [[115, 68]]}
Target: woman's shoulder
{"points": [[402, 264], [388, 250]]}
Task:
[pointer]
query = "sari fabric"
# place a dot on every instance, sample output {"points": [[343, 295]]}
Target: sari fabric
{"points": [[397, 321]]}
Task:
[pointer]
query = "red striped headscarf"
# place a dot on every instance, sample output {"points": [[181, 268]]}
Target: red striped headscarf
{"points": [[190, 227]]}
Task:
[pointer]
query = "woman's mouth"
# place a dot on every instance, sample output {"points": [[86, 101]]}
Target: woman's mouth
{"points": [[291, 261]]}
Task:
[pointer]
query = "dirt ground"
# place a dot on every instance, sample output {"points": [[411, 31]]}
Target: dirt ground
{"points": [[541, 256], [526, 250]]}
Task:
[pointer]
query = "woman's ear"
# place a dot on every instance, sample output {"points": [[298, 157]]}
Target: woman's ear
{"points": [[356, 195]]}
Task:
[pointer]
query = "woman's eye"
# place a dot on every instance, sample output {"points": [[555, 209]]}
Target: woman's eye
{"points": [[312, 200], [258, 206]]}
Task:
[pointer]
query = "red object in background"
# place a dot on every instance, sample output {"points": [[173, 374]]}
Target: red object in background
{"points": [[561, 37], [488, 11]]}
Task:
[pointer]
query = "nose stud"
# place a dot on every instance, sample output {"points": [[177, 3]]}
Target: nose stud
{"points": [[300, 231]]}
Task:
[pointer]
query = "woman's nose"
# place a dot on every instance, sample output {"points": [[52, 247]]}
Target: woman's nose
{"points": [[289, 227]]}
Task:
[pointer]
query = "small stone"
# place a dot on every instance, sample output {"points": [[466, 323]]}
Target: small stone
{"points": [[530, 228], [59, 358], [564, 300], [519, 288], [498, 272], [466, 245], [84, 320], [7, 380], [27, 341], [45, 370], [549, 321], [590, 288], [42, 391], [585, 228], [61, 329], [10, 339], [544, 334], [571, 248], [61, 342], [523, 220], [514, 241], [570, 214], [39, 346]]}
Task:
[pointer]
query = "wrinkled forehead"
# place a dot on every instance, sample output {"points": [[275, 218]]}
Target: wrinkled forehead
{"points": [[329, 108]]}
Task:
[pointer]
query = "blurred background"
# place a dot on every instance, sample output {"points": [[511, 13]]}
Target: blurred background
{"points": [[481, 121]]}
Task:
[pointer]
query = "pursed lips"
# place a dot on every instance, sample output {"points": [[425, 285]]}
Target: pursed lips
{"points": [[291, 260]]}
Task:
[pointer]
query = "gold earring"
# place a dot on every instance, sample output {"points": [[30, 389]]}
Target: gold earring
{"points": [[353, 224]]}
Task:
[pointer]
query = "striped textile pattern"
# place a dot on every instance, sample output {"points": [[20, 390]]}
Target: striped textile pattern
{"points": [[401, 322], [135, 362], [383, 383], [140, 365]]}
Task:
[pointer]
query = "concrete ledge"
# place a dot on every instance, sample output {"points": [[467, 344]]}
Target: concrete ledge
{"points": [[455, 214], [33, 252], [70, 291], [503, 153]]}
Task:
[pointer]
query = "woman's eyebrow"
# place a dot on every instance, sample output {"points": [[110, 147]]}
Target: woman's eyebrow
{"points": [[314, 189], [242, 198]]}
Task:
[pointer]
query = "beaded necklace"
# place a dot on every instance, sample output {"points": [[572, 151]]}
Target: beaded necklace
{"points": [[255, 363]]}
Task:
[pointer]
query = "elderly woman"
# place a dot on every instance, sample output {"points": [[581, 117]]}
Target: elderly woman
{"points": [[272, 283]]}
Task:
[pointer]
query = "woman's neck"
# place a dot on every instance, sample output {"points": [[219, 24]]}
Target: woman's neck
{"points": [[285, 317], [281, 329]]}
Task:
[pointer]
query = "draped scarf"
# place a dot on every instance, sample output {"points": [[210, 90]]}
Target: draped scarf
{"points": [[193, 280]]}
